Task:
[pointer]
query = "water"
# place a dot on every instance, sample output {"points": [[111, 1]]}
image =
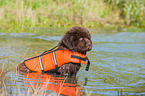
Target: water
{"points": [[117, 66]]}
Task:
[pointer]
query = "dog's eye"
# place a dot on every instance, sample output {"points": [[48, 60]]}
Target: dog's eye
{"points": [[81, 39]]}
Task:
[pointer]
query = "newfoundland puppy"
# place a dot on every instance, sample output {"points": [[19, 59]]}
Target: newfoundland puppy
{"points": [[76, 39]]}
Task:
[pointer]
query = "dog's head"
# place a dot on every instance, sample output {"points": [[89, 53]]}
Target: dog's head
{"points": [[77, 39]]}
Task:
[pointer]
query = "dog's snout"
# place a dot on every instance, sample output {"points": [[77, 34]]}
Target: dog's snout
{"points": [[88, 42]]}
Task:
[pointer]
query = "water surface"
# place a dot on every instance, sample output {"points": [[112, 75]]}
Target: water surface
{"points": [[117, 66]]}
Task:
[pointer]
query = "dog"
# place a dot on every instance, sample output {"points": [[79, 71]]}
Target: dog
{"points": [[76, 39]]}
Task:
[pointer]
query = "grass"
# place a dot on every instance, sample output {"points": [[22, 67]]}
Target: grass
{"points": [[25, 15]]}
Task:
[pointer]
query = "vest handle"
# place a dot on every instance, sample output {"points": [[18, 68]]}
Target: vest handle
{"points": [[50, 49]]}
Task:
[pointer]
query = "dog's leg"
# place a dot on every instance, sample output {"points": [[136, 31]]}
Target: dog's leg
{"points": [[75, 69], [69, 69]]}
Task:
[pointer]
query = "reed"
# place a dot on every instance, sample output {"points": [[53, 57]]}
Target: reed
{"points": [[24, 15]]}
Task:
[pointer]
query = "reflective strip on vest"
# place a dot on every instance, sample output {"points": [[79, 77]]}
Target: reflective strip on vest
{"points": [[54, 57], [40, 62]]}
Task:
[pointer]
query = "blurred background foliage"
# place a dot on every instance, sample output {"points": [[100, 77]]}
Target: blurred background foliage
{"points": [[25, 15], [131, 11]]}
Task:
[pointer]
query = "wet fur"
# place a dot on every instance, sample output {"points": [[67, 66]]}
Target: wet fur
{"points": [[77, 39]]}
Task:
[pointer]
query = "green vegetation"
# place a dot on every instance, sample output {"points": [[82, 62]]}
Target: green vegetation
{"points": [[28, 15], [132, 11]]}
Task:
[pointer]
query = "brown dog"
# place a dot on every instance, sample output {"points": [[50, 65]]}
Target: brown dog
{"points": [[77, 39]]}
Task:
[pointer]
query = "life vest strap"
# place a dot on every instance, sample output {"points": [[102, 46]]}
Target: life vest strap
{"points": [[88, 63], [77, 57], [84, 59]]}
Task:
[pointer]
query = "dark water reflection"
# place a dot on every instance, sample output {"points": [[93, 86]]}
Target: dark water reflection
{"points": [[117, 66]]}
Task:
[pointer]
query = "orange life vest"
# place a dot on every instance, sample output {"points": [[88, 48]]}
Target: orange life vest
{"points": [[54, 58]]}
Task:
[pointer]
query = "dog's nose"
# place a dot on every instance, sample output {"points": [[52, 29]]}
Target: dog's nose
{"points": [[89, 45], [88, 42]]}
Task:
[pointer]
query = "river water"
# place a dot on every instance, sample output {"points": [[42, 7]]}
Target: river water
{"points": [[117, 66]]}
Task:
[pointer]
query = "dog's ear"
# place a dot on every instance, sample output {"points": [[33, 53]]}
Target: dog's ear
{"points": [[68, 42]]}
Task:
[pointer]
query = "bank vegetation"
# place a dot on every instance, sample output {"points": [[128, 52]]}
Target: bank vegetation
{"points": [[27, 15]]}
